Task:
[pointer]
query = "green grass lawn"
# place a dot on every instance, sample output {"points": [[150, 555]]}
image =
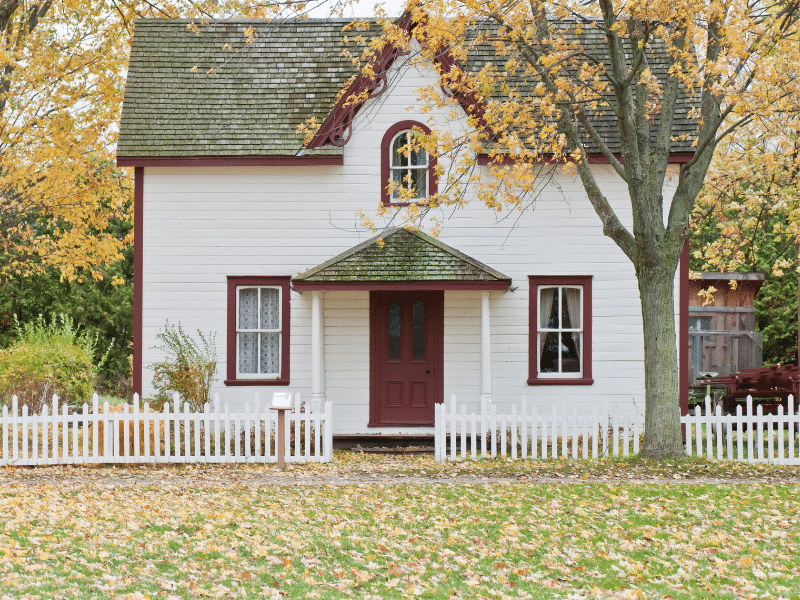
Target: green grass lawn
{"points": [[432, 540]]}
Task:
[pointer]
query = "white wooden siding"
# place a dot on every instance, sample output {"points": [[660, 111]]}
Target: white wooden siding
{"points": [[203, 224]]}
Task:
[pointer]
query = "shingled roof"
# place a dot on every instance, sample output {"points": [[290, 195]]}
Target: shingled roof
{"points": [[250, 106], [212, 94], [404, 256]]}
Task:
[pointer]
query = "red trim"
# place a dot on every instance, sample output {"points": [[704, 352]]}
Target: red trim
{"points": [[229, 161], [233, 282], [337, 126], [675, 158], [577, 381], [311, 286], [534, 281], [683, 334], [138, 272], [386, 160]]}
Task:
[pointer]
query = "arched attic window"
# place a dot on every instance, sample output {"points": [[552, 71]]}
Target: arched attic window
{"points": [[405, 166]]}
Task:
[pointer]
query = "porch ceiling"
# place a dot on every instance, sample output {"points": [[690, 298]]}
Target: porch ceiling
{"points": [[404, 259]]}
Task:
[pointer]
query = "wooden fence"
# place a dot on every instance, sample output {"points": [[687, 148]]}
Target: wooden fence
{"points": [[607, 431], [134, 434], [750, 437]]}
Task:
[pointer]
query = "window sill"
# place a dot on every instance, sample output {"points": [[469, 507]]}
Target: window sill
{"points": [[235, 382], [423, 202], [576, 381]]}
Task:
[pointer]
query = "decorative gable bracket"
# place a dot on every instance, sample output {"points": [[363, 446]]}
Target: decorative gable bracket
{"points": [[338, 126]]}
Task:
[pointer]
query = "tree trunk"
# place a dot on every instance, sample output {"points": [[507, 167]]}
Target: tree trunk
{"points": [[662, 438]]}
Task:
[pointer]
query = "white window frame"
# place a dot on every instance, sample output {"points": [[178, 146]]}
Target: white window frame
{"points": [[279, 330], [540, 330], [407, 184]]}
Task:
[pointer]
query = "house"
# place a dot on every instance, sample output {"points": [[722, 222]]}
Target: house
{"points": [[244, 231]]}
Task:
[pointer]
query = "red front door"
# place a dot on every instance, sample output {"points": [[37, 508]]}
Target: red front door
{"points": [[406, 375]]}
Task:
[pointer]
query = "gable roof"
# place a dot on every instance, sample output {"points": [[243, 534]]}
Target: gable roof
{"points": [[247, 100], [405, 256], [254, 102]]}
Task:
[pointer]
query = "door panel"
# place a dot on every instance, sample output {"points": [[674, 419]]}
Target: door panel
{"points": [[406, 353]]}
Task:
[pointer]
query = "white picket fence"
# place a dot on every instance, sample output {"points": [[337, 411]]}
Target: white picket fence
{"points": [[751, 437], [607, 431], [215, 435]]}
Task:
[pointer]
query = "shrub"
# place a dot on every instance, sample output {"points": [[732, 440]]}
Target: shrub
{"points": [[49, 358], [189, 367]]}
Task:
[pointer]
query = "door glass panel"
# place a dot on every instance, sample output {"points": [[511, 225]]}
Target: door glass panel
{"points": [[394, 331], [419, 330]]}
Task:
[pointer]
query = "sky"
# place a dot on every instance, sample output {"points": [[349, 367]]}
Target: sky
{"points": [[361, 8]]}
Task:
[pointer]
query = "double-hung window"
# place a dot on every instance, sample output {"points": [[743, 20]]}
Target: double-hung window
{"points": [[560, 330], [408, 173], [258, 330], [409, 168]]}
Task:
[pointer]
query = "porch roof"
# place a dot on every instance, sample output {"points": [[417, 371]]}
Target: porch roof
{"points": [[404, 259]]}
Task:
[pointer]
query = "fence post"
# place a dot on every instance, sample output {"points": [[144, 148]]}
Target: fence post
{"points": [[247, 432], [792, 417], [453, 428], [297, 402], [329, 432], [463, 431], [15, 420], [436, 420], [524, 427], [513, 431], [707, 422], [493, 432], [5, 434], [781, 458], [483, 426], [24, 419], [740, 432], [750, 457]]}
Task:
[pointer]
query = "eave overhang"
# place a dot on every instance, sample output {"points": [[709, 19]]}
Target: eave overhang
{"points": [[398, 259]]}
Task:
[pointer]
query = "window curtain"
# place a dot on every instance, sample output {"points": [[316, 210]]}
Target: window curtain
{"points": [[270, 342], [572, 298], [573, 302], [546, 296], [248, 319]]}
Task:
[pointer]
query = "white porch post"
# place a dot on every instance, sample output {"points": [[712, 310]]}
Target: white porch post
{"points": [[486, 348], [316, 347]]}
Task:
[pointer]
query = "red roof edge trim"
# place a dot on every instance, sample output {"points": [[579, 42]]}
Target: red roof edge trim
{"points": [[336, 129], [228, 161]]}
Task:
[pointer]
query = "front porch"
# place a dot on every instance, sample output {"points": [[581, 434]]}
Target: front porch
{"points": [[393, 321]]}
